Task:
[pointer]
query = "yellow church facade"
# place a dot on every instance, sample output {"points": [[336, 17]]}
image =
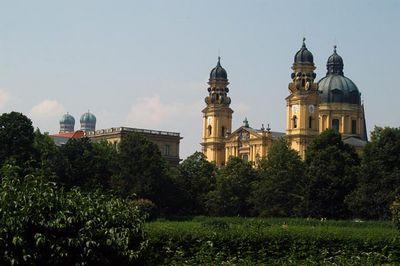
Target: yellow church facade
{"points": [[311, 108]]}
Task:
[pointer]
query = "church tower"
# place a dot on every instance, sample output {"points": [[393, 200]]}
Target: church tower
{"points": [[302, 103], [217, 116]]}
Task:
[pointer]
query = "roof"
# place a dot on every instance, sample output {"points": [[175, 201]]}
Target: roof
{"points": [[274, 134], [354, 141], [62, 138]]}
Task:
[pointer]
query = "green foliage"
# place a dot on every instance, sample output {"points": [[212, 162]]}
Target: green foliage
{"points": [[86, 164], [143, 172], [42, 225], [254, 241], [195, 177], [234, 183], [332, 168], [16, 138], [379, 180], [395, 208], [146, 208], [282, 185]]}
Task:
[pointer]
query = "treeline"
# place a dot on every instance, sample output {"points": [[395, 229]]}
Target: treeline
{"points": [[333, 181]]}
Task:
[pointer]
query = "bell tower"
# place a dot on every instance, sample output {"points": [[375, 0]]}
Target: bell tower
{"points": [[302, 102], [217, 116]]}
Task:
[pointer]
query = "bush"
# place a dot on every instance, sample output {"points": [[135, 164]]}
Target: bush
{"points": [[146, 208], [395, 208], [43, 225]]}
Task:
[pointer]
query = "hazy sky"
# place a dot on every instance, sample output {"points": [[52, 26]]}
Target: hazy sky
{"points": [[146, 64]]}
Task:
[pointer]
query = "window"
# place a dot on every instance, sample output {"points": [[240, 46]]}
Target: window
{"points": [[245, 157], [337, 96], [335, 124], [353, 127], [310, 122], [294, 121], [223, 131], [209, 130], [166, 149]]}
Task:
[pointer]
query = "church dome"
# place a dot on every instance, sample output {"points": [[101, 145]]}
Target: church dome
{"points": [[335, 87], [304, 55], [67, 119], [218, 72], [88, 118]]}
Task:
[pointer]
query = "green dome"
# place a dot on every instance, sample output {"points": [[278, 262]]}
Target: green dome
{"points": [[335, 87], [88, 118], [67, 119], [218, 72]]}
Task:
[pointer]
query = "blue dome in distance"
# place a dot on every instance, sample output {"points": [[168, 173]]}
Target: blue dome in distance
{"points": [[88, 117], [67, 119]]}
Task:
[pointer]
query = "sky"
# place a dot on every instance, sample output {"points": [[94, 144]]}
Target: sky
{"points": [[145, 64]]}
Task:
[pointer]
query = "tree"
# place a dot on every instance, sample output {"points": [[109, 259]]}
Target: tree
{"points": [[16, 138], [195, 177], [142, 170], [332, 168], [280, 190], [86, 164], [233, 188], [379, 179], [45, 153]]}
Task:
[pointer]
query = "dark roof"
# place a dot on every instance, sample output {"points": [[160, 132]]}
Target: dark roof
{"points": [[335, 87], [218, 72], [354, 141], [304, 55]]}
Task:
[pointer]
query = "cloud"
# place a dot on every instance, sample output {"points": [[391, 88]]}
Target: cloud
{"points": [[151, 112], [4, 98], [47, 109]]}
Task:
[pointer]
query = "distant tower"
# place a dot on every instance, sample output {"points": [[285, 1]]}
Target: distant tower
{"points": [[340, 101], [302, 103], [217, 116], [88, 122], [67, 123]]}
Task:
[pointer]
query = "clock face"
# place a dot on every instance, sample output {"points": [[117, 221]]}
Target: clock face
{"points": [[311, 109], [294, 109]]}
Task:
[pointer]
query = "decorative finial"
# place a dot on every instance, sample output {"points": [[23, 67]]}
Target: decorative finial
{"points": [[262, 127], [245, 122], [304, 41], [268, 128], [334, 48]]}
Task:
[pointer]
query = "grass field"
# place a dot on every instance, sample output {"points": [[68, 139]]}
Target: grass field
{"points": [[273, 241]]}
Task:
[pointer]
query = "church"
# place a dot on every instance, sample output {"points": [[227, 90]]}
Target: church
{"points": [[334, 102]]}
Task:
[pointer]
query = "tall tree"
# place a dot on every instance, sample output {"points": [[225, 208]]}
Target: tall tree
{"points": [[85, 164], [379, 179], [282, 185], [196, 177], [142, 169], [16, 138], [233, 187], [332, 167]]}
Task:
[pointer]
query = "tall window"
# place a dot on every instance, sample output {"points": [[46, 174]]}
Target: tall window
{"points": [[294, 121], [166, 149], [335, 124], [223, 131], [310, 122], [209, 130], [353, 127]]}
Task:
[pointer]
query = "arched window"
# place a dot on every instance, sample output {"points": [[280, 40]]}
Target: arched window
{"points": [[223, 131], [335, 124], [310, 122], [294, 121], [209, 130]]}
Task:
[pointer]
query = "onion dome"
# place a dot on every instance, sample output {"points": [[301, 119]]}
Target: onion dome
{"points": [[335, 87], [88, 121], [218, 72], [335, 63], [303, 55], [67, 123]]}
